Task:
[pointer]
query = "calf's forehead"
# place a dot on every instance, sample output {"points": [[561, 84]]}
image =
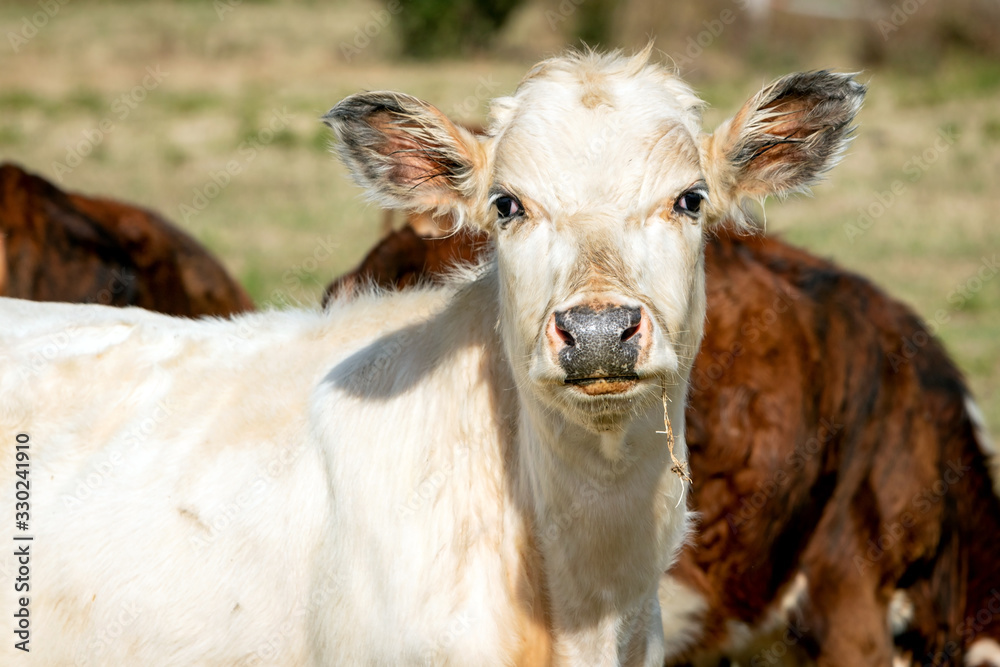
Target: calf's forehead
{"points": [[588, 132]]}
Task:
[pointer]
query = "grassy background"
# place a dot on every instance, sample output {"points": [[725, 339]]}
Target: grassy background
{"points": [[229, 72]]}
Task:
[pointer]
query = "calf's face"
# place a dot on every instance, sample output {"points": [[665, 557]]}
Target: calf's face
{"points": [[597, 210], [597, 187]]}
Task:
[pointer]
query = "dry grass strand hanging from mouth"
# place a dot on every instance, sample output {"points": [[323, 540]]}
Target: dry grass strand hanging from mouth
{"points": [[679, 468]]}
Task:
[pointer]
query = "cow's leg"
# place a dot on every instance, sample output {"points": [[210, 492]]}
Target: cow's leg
{"points": [[847, 617]]}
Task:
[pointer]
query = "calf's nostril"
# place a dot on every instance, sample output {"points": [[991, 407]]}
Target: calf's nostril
{"points": [[631, 331], [566, 336]]}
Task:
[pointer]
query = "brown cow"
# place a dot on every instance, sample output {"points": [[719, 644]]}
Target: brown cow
{"points": [[3, 266], [840, 471], [69, 247]]}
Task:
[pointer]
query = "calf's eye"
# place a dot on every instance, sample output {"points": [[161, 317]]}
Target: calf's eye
{"points": [[689, 202], [508, 207]]}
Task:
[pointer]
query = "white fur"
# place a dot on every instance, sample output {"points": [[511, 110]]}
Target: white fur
{"points": [[755, 644], [986, 444], [683, 612], [788, 609], [900, 612], [979, 423], [983, 653]]}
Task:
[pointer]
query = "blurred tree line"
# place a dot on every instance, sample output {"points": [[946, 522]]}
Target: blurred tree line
{"points": [[431, 28], [911, 33]]}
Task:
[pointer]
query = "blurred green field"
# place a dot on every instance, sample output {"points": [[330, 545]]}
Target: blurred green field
{"points": [[241, 86]]}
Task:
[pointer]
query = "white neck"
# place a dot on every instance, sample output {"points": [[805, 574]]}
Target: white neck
{"points": [[609, 516], [591, 520]]}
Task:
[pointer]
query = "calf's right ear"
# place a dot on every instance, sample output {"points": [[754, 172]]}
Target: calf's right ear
{"points": [[409, 155]]}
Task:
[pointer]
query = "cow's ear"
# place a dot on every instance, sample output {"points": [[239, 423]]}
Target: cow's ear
{"points": [[409, 155], [781, 141]]}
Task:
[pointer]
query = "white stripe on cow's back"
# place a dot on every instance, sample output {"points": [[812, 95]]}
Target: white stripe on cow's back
{"points": [[983, 653], [983, 439]]}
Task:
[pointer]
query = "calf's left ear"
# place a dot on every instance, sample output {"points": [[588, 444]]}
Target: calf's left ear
{"points": [[781, 141], [408, 155]]}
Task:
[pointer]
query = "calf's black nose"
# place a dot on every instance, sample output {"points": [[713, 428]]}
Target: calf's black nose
{"points": [[601, 343]]}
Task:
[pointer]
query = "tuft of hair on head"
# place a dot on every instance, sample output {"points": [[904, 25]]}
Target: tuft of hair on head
{"points": [[783, 140], [590, 65]]}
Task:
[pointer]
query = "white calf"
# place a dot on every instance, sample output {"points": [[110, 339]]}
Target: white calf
{"points": [[468, 475]]}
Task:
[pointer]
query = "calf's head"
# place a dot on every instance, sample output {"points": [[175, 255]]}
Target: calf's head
{"points": [[598, 187]]}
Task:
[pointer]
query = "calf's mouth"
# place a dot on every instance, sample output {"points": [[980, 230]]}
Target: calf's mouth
{"points": [[600, 386]]}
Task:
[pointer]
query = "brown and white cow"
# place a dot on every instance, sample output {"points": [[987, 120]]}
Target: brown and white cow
{"points": [[70, 247], [841, 471], [488, 473]]}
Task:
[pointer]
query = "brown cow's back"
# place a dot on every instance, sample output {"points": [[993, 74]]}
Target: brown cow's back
{"points": [[403, 259], [68, 247], [822, 447]]}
